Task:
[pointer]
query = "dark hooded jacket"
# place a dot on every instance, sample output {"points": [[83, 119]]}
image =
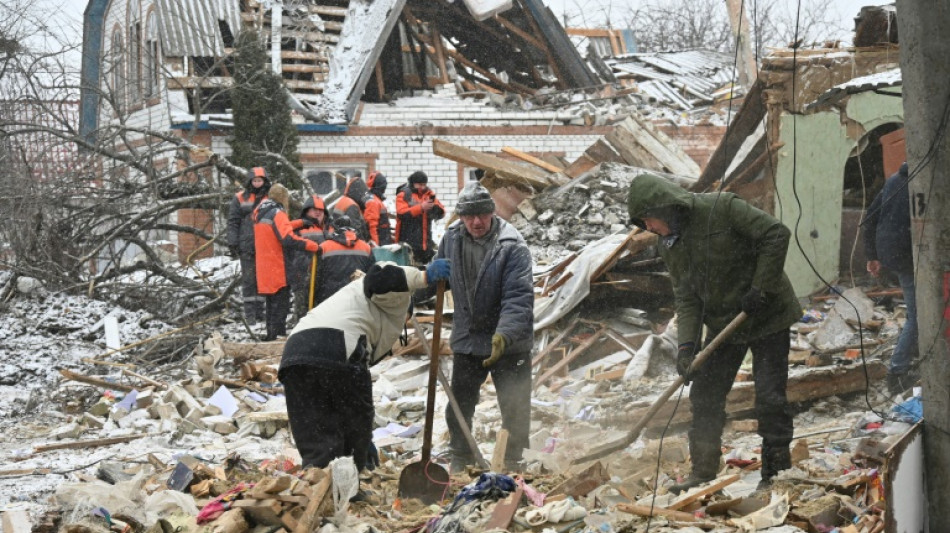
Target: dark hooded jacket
{"points": [[240, 227], [503, 301], [887, 226], [341, 254], [724, 247]]}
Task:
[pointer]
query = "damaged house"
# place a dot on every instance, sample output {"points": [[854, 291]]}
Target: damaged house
{"points": [[371, 84]]}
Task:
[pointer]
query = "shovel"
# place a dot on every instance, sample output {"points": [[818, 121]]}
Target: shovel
{"points": [[661, 401], [426, 480], [466, 431]]}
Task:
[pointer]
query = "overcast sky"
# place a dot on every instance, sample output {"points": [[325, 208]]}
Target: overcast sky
{"points": [[594, 12]]}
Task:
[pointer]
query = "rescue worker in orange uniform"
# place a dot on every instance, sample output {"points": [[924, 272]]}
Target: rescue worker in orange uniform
{"points": [[273, 239], [416, 208], [312, 225], [341, 254], [351, 205], [374, 210], [241, 239]]}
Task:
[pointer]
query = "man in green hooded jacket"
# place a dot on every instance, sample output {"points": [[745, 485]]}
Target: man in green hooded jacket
{"points": [[724, 256]]}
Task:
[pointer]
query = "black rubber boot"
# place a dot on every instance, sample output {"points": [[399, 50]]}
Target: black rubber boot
{"points": [[705, 467], [774, 460]]}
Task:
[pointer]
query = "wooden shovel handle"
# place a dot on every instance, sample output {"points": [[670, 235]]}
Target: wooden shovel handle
{"points": [[433, 372], [661, 401]]}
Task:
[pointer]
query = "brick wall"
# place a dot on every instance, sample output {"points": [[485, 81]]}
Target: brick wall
{"points": [[699, 142]]}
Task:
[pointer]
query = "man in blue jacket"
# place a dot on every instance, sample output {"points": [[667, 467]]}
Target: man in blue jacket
{"points": [[493, 321], [887, 243]]}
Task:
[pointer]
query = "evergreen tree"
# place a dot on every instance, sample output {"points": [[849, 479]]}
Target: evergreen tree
{"points": [[261, 114]]}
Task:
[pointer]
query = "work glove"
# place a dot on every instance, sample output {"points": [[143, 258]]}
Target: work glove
{"points": [[497, 348], [438, 270], [372, 457], [753, 301], [307, 223], [684, 359], [234, 251]]}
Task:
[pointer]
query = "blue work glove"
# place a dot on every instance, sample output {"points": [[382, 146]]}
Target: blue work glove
{"points": [[684, 359], [438, 270], [372, 457]]}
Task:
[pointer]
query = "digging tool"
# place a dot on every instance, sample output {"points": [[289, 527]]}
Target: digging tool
{"points": [[424, 479], [313, 279], [473, 446], [698, 362]]}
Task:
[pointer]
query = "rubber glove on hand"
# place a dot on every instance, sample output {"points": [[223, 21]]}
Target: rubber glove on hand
{"points": [[684, 359], [497, 349], [438, 270], [753, 301]]}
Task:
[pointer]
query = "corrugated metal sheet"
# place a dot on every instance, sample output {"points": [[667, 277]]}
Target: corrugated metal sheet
{"points": [[191, 27], [684, 79], [880, 80]]}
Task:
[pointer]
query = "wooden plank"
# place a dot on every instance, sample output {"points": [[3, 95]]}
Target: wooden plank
{"points": [[610, 375], [553, 344], [581, 165], [505, 171], [308, 518], [17, 521], [698, 495], [748, 117], [624, 142], [815, 384], [601, 152], [511, 87], [531, 159], [291, 67], [498, 454], [503, 512], [525, 36], [646, 510], [92, 443], [88, 380], [636, 241], [667, 152], [563, 363]]}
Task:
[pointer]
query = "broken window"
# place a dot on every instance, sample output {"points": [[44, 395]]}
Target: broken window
{"points": [[152, 57], [118, 76], [135, 51]]}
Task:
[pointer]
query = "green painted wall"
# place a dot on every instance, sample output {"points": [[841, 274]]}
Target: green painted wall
{"points": [[811, 165]]}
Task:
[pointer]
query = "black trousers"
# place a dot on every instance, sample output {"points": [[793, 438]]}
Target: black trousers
{"points": [[511, 375], [714, 380], [331, 412], [253, 303], [277, 308]]}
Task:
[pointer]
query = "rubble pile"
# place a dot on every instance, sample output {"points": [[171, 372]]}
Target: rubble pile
{"points": [[568, 218]]}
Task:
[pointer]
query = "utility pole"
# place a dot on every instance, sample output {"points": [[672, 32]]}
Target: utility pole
{"points": [[739, 23], [925, 68]]}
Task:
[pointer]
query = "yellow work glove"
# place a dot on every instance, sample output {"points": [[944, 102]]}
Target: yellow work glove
{"points": [[497, 348]]}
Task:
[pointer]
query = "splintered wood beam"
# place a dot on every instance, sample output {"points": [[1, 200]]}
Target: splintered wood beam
{"points": [[636, 241], [575, 353], [510, 87], [504, 170], [528, 158], [525, 36], [93, 443], [553, 344]]}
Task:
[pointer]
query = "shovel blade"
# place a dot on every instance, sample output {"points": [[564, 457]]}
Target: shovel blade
{"points": [[426, 481]]}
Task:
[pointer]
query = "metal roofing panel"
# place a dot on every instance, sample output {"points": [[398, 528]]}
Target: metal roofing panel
{"points": [[191, 27]]}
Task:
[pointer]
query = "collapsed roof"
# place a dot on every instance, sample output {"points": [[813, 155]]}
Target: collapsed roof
{"points": [[332, 53]]}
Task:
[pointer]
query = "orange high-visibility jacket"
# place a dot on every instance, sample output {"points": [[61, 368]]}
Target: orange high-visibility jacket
{"points": [[273, 236]]}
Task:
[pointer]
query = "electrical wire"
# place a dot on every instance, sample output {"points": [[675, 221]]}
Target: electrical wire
{"points": [[925, 160]]}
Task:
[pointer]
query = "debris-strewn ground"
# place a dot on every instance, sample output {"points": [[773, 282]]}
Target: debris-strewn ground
{"points": [[193, 434]]}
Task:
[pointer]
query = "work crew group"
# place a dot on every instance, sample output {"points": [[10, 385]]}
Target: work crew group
{"points": [[309, 258], [725, 258]]}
